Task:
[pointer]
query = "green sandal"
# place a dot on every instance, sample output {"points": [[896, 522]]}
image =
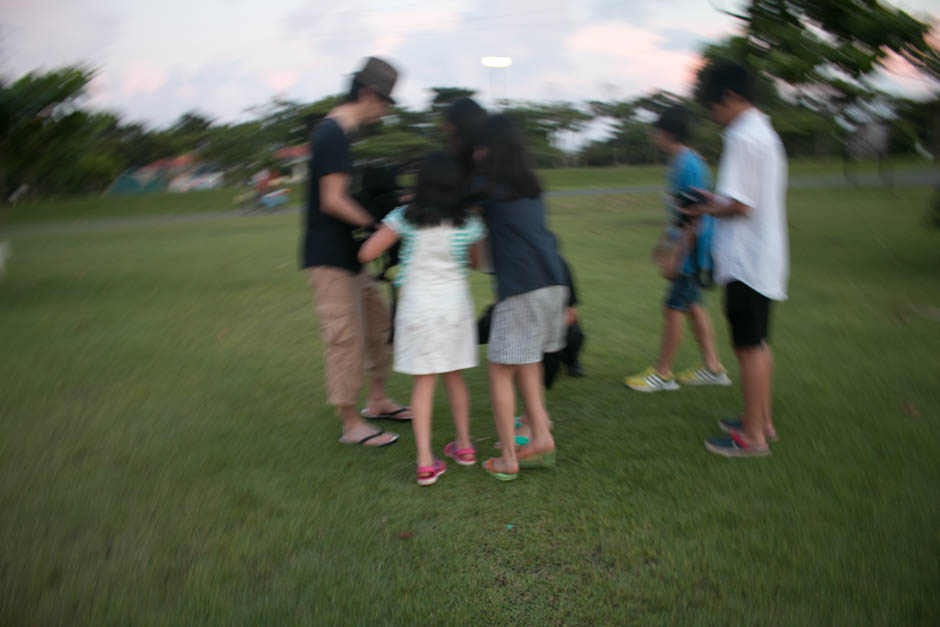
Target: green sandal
{"points": [[542, 460], [502, 476]]}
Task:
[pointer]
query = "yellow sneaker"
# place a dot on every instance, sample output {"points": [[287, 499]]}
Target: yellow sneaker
{"points": [[651, 381], [704, 376]]}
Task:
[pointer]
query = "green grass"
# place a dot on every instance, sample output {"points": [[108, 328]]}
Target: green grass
{"points": [[625, 176], [167, 457], [601, 178], [124, 206], [224, 199]]}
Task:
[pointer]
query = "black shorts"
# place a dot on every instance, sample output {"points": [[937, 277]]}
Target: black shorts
{"points": [[748, 314]]}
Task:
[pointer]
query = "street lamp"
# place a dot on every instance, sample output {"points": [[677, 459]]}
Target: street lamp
{"points": [[495, 63]]}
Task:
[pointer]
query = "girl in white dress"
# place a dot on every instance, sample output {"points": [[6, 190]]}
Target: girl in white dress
{"points": [[435, 322]]}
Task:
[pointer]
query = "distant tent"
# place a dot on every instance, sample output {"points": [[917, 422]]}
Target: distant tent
{"points": [[180, 173], [136, 181]]}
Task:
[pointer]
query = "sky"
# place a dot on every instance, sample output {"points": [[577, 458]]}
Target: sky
{"points": [[157, 60]]}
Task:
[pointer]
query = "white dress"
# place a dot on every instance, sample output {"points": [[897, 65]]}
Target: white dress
{"points": [[435, 322]]}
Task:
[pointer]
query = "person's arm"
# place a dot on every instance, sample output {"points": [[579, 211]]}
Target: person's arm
{"points": [[478, 238], [673, 265], [378, 243], [717, 206], [738, 180], [571, 315], [336, 202], [476, 255]]}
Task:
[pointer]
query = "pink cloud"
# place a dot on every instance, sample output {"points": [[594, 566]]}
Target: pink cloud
{"points": [[613, 39], [620, 52], [143, 80], [282, 80]]}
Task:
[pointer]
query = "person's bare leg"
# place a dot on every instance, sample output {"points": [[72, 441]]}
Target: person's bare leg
{"points": [[769, 429], [530, 386], [376, 326], [702, 330], [754, 391], [422, 399], [525, 426], [355, 428], [525, 429], [459, 406], [503, 399], [669, 344]]}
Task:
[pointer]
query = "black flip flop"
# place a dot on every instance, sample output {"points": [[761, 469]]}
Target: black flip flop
{"points": [[389, 416], [363, 441]]}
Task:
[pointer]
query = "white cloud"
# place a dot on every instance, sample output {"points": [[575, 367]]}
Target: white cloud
{"points": [[158, 60]]}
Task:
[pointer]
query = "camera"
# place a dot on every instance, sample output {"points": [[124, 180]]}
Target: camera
{"points": [[378, 189], [687, 198]]}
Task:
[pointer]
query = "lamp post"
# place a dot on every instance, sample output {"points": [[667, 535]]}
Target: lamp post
{"points": [[494, 63]]}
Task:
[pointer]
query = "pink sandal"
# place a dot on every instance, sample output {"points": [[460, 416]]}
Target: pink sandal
{"points": [[463, 456], [427, 475]]}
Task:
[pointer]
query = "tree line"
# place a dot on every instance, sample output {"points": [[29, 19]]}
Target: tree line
{"points": [[814, 61]]}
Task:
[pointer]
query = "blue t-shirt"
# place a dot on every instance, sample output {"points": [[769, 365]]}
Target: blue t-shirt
{"points": [[687, 170]]}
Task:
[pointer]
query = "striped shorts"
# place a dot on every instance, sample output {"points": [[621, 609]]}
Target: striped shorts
{"points": [[527, 325]]}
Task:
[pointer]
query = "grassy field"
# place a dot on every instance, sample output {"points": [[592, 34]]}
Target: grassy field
{"points": [[167, 457], [124, 206], [224, 199]]}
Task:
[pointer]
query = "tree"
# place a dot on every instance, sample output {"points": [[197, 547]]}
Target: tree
{"points": [[190, 131], [826, 52], [542, 124], [443, 96], [830, 48], [657, 102], [630, 141], [37, 121]]}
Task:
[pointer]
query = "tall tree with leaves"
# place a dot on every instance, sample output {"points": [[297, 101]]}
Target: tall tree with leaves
{"points": [[37, 117], [443, 96], [828, 51]]}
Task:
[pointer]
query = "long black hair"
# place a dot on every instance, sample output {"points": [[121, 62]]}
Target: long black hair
{"points": [[466, 116], [438, 195], [507, 166]]}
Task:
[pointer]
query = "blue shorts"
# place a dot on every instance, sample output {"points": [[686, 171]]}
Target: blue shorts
{"points": [[683, 293]]}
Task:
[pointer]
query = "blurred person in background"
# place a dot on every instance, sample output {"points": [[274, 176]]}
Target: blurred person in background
{"points": [[354, 320], [750, 246], [692, 257]]}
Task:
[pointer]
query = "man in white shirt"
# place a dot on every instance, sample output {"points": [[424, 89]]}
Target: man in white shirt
{"points": [[750, 246]]}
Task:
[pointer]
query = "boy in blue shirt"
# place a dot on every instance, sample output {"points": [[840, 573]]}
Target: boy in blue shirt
{"points": [[686, 172]]}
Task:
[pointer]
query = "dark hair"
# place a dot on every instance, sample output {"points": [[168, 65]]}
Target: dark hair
{"points": [[438, 194], [507, 164], [725, 75], [676, 121], [467, 116]]}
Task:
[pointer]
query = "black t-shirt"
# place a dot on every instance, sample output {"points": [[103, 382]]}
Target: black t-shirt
{"points": [[328, 241], [525, 253]]}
